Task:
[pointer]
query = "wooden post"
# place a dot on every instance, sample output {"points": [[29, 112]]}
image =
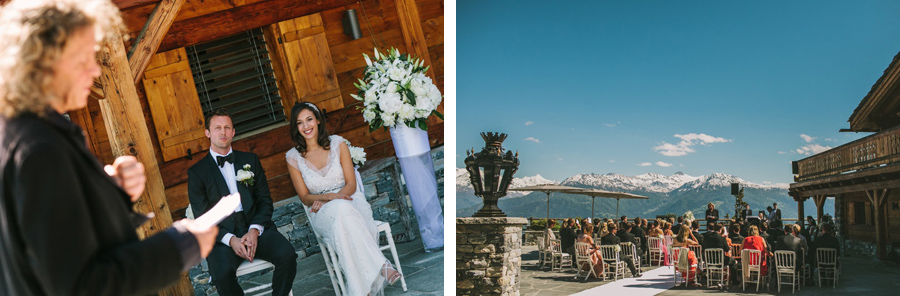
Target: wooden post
{"points": [[820, 206], [801, 216], [411, 26], [128, 135], [877, 197]]}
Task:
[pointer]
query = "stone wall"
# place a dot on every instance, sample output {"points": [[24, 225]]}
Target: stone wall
{"points": [[390, 202], [488, 255]]}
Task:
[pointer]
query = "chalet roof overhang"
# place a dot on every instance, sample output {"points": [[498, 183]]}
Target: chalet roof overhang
{"points": [[880, 108], [882, 177]]}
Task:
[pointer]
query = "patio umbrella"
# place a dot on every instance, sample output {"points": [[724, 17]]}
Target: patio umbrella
{"points": [[594, 193], [545, 188]]}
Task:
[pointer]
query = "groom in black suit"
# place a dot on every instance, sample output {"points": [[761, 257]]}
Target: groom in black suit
{"points": [[249, 232]]}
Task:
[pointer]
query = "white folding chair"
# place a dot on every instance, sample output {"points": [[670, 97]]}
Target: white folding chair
{"points": [[685, 271], [655, 251], [559, 258], [803, 270], [785, 269], [828, 265], [716, 271], [583, 260], [612, 262], [698, 251], [753, 260], [247, 267], [543, 251], [629, 249]]}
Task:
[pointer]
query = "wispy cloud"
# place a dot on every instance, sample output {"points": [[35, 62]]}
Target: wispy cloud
{"points": [[830, 140], [559, 158], [610, 124], [645, 164], [529, 122], [812, 149], [663, 164], [782, 152], [612, 160], [688, 140], [807, 138], [532, 139]]}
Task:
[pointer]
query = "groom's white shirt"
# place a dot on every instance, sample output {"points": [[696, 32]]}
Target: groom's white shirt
{"points": [[227, 171]]}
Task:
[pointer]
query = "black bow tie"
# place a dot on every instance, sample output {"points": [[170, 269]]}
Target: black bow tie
{"points": [[222, 159]]}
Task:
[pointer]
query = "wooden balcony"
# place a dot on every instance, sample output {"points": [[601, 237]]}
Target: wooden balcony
{"points": [[873, 151]]}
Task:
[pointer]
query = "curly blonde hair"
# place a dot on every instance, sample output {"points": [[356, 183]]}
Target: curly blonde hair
{"points": [[34, 34]]}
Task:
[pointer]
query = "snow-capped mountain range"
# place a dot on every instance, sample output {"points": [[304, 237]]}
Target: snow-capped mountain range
{"points": [[650, 182]]}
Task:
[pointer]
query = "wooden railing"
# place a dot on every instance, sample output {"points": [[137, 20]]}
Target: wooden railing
{"points": [[872, 151]]}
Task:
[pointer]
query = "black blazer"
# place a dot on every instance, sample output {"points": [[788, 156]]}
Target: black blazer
{"points": [[66, 228], [206, 186], [626, 237], [715, 241], [609, 239]]}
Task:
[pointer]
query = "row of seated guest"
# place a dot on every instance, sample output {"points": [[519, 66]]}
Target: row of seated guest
{"points": [[716, 238], [683, 240]]}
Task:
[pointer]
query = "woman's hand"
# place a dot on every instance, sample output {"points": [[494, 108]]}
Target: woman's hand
{"points": [[316, 206], [128, 174], [339, 195]]}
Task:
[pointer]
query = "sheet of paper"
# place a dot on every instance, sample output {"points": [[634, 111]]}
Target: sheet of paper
{"points": [[222, 209]]}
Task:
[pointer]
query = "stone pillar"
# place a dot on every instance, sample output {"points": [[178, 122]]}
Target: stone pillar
{"points": [[488, 255]]}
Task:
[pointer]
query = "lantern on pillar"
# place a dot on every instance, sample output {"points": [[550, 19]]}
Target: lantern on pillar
{"points": [[491, 172]]}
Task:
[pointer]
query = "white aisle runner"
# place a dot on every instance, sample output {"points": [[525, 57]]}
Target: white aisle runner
{"points": [[651, 283]]}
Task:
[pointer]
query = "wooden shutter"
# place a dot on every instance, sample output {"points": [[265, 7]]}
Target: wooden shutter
{"points": [[235, 73], [174, 104], [309, 65]]}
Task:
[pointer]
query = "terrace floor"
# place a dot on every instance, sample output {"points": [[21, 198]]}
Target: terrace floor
{"points": [[859, 276]]}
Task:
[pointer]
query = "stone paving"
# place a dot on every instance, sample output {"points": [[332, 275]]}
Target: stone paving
{"points": [[860, 275]]}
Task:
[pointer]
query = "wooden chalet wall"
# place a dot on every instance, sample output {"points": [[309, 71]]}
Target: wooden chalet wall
{"points": [[862, 227], [318, 30]]}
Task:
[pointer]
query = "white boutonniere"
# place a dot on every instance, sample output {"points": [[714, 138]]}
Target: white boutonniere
{"points": [[245, 176]]}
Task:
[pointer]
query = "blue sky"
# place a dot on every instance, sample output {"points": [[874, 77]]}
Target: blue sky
{"points": [[692, 86]]}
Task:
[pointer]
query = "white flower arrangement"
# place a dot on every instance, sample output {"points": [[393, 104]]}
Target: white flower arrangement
{"points": [[395, 90], [689, 215], [357, 154], [245, 176]]}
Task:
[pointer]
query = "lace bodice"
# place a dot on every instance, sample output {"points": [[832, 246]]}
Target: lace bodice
{"points": [[327, 179]]}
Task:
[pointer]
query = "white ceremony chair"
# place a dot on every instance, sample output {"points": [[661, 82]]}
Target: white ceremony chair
{"points": [[559, 258], [686, 272], [654, 252], [716, 271], [543, 252], [698, 251], [785, 269], [828, 265], [612, 262], [583, 259], [804, 269], [629, 249], [337, 279], [753, 260], [246, 267]]}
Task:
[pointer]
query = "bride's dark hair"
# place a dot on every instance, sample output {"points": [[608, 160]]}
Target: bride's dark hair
{"points": [[299, 140]]}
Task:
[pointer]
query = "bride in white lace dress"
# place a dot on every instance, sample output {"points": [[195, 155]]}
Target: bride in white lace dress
{"points": [[322, 173]]}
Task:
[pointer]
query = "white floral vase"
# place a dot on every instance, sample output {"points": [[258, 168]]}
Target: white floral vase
{"points": [[414, 154]]}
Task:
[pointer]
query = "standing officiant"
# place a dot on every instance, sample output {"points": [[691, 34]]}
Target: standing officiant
{"points": [[712, 215], [66, 223]]}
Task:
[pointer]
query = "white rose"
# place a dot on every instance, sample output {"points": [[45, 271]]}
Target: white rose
{"points": [[407, 113], [368, 115], [388, 119], [397, 73], [371, 97], [244, 175], [390, 103], [391, 88]]}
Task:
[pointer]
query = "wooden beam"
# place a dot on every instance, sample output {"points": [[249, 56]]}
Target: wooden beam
{"points": [[877, 197], [411, 26], [126, 4], [128, 135], [819, 200], [151, 36], [229, 22]]}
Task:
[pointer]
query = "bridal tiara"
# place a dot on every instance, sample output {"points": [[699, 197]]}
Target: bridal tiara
{"points": [[311, 105]]}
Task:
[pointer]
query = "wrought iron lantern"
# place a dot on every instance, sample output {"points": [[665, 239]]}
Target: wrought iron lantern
{"points": [[491, 172]]}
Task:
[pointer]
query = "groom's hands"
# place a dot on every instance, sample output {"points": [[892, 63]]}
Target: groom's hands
{"points": [[239, 248], [250, 240]]}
